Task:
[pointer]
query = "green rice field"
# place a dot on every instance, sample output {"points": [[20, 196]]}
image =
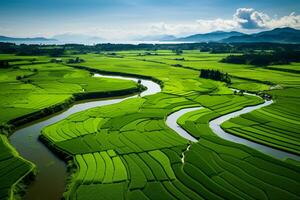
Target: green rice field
{"points": [[126, 151]]}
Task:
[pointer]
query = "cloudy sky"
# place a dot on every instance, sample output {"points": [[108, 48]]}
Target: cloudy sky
{"points": [[127, 19]]}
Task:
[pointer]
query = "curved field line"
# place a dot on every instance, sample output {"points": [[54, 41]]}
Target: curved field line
{"points": [[39, 154], [215, 125]]}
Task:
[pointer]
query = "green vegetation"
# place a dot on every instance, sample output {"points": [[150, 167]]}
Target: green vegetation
{"points": [[30, 91], [126, 151], [151, 153], [12, 169], [276, 125], [215, 75], [264, 58]]}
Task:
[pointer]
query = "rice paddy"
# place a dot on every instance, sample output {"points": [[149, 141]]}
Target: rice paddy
{"points": [[126, 150]]}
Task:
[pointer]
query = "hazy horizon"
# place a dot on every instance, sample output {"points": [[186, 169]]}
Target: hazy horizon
{"points": [[118, 20]]}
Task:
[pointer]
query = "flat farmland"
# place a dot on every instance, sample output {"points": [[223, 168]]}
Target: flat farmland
{"points": [[126, 150]]}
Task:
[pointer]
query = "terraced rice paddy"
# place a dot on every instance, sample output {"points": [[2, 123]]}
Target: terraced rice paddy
{"points": [[276, 125], [12, 169], [45, 160], [126, 150]]}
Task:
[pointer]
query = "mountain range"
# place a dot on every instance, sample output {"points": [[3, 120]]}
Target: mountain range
{"points": [[210, 37], [278, 35], [157, 38], [78, 38], [57, 39], [35, 40]]}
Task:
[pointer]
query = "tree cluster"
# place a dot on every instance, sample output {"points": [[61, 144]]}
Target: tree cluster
{"points": [[215, 75], [264, 58], [76, 60], [212, 47], [31, 50], [4, 64], [177, 51]]}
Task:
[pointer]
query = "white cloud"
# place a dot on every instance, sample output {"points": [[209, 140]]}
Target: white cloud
{"points": [[199, 26], [291, 20], [244, 19], [248, 18], [217, 24]]}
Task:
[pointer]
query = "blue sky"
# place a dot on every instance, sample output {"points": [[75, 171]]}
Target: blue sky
{"points": [[127, 19]]}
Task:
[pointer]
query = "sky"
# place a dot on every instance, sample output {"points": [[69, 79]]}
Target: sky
{"points": [[130, 19]]}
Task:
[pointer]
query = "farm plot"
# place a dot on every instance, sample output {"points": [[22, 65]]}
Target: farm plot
{"points": [[152, 154], [142, 173], [276, 125], [218, 169], [12, 168], [125, 151], [38, 88], [31, 88], [134, 125]]}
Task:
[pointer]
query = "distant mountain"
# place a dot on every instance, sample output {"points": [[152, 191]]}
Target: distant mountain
{"points": [[158, 38], [35, 40], [210, 37], [278, 35], [78, 38]]}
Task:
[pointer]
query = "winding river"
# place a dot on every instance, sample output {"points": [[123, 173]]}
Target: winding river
{"points": [[215, 125], [50, 181]]}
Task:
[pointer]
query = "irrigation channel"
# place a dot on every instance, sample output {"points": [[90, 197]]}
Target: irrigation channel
{"points": [[50, 181]]}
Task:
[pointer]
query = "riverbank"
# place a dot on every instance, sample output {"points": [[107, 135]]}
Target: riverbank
{"points": [[46, 161]]}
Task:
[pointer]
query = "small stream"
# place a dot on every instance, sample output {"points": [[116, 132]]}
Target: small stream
{"points": [[215, 125], [50, 182]]}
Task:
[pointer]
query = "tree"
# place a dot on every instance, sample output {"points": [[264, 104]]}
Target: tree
{"points": [[178, 51], [215, 75], [4, 64]]}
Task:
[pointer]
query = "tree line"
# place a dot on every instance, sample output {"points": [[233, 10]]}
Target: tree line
{"points": [[31, 50], [215, 75], [264, 58], [212, 47]]}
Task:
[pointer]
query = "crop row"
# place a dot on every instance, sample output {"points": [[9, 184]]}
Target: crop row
{"points": [[103, 167], [224, 170], [276, 125], [12, 167], [141, 171], [108, 167], [131, 126]]}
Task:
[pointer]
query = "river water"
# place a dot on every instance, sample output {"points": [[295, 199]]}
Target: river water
{"points": [[215, 125], [50, 181]]}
